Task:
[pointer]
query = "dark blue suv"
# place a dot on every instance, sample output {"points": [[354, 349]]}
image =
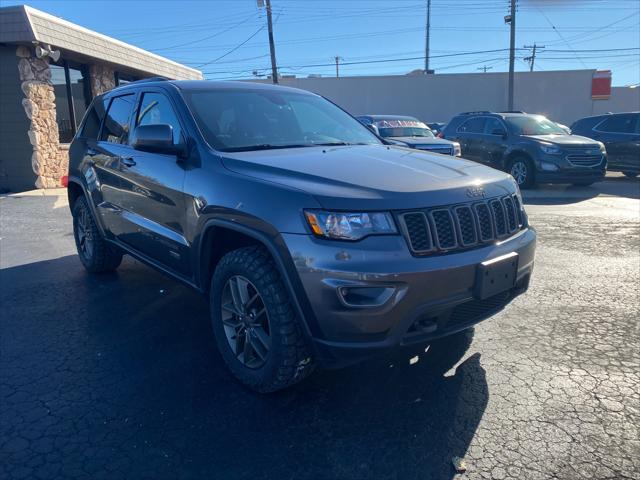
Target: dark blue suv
{"points": [[532, 148]]}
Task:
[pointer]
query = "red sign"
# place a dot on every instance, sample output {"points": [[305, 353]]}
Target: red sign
{"points": [[601, 85]]}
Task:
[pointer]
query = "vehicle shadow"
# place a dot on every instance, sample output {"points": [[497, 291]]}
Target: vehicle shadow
{"points": [[126, 366], [567, 194]]}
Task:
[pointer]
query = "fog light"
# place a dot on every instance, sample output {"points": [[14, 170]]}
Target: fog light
{"points": [[548, 167], [362, 297]]}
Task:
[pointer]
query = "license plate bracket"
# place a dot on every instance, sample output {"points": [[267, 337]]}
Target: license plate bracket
{"points": [[496, 275]]}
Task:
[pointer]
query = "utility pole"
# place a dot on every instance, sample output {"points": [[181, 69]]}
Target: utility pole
{"points": [[427, 38], [484, 69], [511, 19], [532, 58], [272, 47], [337, 59]]}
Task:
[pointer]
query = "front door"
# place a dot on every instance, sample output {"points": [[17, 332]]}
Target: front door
{"points": [[494, 143], [621, 137], [152, 186]]}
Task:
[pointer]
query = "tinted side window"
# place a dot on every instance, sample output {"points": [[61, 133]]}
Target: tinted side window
{"points": [[93, 120], [618, 124], [116, 123], [473, 125], [155, 109], [491, 125]]}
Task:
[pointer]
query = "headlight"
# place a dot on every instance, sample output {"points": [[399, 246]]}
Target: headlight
{"points": [[350, 226], [602, 147], [550, 149], [457, 151]]}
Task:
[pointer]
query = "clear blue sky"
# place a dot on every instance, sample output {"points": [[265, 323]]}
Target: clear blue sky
{"points": [[228, 38]]}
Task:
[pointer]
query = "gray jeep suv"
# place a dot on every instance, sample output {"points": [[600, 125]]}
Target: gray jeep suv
{"points": [[315, 242]]}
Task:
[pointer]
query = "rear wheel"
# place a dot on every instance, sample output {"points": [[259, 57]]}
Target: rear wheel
{"points": [[630, 174], [95, 253], [521, 170], [257, 331]]}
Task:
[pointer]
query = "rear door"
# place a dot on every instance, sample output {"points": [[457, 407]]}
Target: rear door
{"points": [[494, 143], [106, 155], [470, 136], [621, 138], [152, 187]]}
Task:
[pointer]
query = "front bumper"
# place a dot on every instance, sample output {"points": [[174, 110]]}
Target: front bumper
{"points": [[568, 172], [431, 296]]}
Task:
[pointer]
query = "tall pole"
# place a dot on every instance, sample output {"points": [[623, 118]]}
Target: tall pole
{"points": [[484, 69], [532, 58], [512, 52], [337, 59], [427, 37], [272, 47]]}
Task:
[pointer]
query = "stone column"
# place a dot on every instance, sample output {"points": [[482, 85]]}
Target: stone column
{"points": [[48, 160], [103, 79]]}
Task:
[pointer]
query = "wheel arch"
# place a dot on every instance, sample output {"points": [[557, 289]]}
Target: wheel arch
{"points": [[220, 236]]}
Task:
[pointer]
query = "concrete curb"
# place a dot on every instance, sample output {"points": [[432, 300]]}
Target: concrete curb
{"points": [[41, 192]]}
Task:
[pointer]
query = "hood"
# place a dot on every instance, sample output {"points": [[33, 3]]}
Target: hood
{"points": [[371, 177], [412, 141], [566, 140]]}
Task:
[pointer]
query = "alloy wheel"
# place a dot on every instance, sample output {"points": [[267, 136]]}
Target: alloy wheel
{"points": [[84, 234], [246, 322], [519, 172]]}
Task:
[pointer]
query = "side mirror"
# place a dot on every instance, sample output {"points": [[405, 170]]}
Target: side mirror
{"points": [[155, 138], [499, 132], [373, 128]]}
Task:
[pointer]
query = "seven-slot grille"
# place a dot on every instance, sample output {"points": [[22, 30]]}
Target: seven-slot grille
{"points": [[462, 226]]}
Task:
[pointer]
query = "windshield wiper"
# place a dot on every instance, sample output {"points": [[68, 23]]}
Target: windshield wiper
{"points": [[265, 146]]}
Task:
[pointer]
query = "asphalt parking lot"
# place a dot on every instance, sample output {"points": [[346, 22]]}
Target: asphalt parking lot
{"points": [[117, 376]]}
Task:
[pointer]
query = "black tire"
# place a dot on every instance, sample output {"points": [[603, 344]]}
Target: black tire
{"points": [[631, 174], [522, 164], [95, 253], [288, 359]]}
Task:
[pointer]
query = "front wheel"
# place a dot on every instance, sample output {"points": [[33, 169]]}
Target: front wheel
{"points": [[630, 174], [521, 170], [255, 325], [95, 253]]}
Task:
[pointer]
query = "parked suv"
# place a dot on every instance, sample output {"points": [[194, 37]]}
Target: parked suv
{"points": [[620, 133], [315, 243], [530, 147], [409, 132]]}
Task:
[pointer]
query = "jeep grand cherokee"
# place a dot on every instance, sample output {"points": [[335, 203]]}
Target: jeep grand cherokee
{"points": [[316, 243]]}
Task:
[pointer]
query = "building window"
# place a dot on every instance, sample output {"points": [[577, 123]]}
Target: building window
{"points": [[123, 78], [70, 85]]}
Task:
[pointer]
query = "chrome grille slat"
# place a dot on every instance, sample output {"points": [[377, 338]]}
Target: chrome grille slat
{"points": [[466, 225], [581, 160], [462, 226], [486, 228], [512, 223], [445, 232], [416, 228]]}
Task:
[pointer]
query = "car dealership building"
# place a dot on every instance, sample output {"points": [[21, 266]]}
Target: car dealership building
{"points": [[50, 69]]}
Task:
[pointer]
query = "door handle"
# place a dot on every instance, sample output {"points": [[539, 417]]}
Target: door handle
{"points": [[127, 161]]}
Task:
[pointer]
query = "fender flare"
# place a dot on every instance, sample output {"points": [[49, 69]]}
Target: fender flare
{"points": [[96, 218], [284, 264]]}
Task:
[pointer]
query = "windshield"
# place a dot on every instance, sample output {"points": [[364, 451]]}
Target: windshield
{"points": [[534, 125], [240, 120], [403, 128]]}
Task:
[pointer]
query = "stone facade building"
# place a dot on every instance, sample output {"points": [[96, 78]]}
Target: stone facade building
{"points": [[50, 70]]}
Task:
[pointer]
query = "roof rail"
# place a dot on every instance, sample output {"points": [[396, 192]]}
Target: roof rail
{"points": [[475, 113], [151, 79], [512, 111]]}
